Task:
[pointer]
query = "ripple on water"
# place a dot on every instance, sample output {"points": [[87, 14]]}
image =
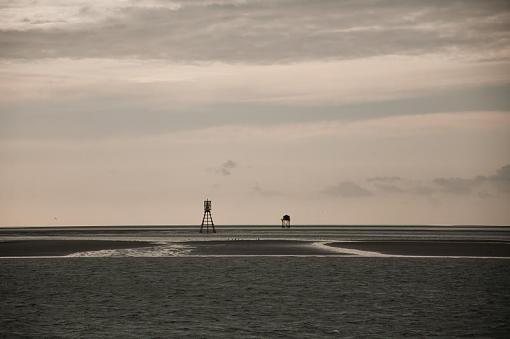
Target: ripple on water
{"points": [[254, 297]]}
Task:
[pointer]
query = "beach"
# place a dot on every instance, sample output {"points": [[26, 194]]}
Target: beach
{"points": [[430, 248], [274, 247], [35, 248], [257, 247]]}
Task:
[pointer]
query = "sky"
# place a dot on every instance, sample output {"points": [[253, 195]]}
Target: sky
{"points": [[335, 112]]}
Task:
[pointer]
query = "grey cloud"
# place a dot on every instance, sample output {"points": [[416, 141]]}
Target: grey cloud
{"points": [[403, 186], [421, 190], [456, 185], [502, 174], [272, 31], [390, 188], [384, 179], [500, 181], [111, 114], [226, 168], [482, 186], [347, 189]]}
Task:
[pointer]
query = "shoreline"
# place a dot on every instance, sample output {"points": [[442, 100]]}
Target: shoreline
{"points": [[433, 248], [257, 247], [280, 247], [52, 248]]}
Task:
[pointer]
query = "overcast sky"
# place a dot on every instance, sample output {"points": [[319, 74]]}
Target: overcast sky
{"points": [[335, 112]]}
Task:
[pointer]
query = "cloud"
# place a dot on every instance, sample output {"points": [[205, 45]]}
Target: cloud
{"points": [[347, 189], [384, 179], [502, 174], [390, 188], [456, 185], [404, 186], [421, 190], [109, 114], [500, 181], [253, 31], [226, 168], [482, 186]]}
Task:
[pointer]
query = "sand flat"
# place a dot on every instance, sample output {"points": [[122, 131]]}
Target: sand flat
{"points": [[256, 247], [431, 247], [34, 248], [460, 248]]}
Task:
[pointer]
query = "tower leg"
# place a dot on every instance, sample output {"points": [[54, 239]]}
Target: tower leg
{"points": [[207, 221]]}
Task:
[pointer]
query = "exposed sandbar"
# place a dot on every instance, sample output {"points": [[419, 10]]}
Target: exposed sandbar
{"points": [[256, 247], [431, 248], [32, 248]]}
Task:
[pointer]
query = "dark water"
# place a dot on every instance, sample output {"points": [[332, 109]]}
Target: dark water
{"points": [[254, 297]]}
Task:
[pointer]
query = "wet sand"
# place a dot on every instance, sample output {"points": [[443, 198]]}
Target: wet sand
{"points": [[32, 248], [431, 248], [256, 247]]}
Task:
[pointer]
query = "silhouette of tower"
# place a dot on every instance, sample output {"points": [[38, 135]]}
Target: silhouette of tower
{"points": [[207, 219], [286, 221]]}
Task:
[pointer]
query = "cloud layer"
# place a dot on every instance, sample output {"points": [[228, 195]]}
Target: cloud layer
{"points": [[500, 181], [253, 31], [482, 186]]}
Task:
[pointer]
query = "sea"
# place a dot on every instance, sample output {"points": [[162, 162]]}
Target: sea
{"points": [[167, 293]]}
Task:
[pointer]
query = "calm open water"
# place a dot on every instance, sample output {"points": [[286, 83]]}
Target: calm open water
{"points": [[253, 297]]}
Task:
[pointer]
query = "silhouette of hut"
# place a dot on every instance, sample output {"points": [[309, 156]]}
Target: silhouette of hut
{"points": [[286, 221]]}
